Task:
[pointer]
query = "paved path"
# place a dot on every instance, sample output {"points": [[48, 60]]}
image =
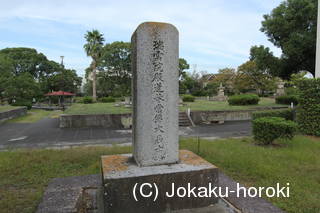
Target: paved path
{"points": [[46, 133]]}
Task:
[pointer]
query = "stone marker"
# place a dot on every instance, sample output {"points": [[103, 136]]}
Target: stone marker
{"points": [[155, 94], [156, 158]]}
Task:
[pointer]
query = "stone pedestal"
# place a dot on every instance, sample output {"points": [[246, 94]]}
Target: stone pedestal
{"points": [[121, 176]]}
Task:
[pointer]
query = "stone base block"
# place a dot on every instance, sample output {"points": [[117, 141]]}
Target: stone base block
{"points": [[130, 188]]}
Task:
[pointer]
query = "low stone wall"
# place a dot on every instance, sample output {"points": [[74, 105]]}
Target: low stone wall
{"points": [[124, 121], [206, 117], [118, 121], [14, 113]]}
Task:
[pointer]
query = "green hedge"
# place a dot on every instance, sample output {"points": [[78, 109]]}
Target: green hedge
{"points": [[108, 99], [188, 98], [78, 99], [268, 129], [287, 114], [308, 112], [245, 99], [287, 99], [87, 100]]}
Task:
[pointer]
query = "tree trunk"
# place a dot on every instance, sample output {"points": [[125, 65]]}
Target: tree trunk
{"points": [[94, 81]]}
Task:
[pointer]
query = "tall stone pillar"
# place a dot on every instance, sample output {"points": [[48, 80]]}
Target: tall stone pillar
{"points": [[155, 94]]}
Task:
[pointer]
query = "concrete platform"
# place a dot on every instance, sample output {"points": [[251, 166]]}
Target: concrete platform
{"points": [[123, 185]]}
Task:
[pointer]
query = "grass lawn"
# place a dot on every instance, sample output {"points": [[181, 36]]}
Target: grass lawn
{"points": [[7, 108], [25, 174], [35, 115], [198, 105]]}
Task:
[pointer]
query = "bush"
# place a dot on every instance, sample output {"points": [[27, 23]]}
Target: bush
{"points": [[287, 114], [25, 103], [308, 111], [268, 129], [87, 100], [78, 100], [245, 99], [188, 98], [287, 99], [107, 100]]}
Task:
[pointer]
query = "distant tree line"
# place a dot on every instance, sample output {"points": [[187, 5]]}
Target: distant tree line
{"points": [[26, 74]]}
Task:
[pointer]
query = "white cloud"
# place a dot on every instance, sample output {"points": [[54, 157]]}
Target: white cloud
{"points": [[213, 33]]}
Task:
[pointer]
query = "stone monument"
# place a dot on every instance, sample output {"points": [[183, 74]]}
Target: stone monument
{"points": [[220, 96], [221, 90], [280, 88], [155, 94], [156, 164]]}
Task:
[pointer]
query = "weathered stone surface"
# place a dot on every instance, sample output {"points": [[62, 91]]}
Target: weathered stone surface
{"points": [[155, 93], [72, 195], [121, 174]]}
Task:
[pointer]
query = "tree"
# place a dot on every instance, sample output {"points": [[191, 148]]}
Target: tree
{"points": [[265, 60], [225, 77], [292, 26], [191, 84], [27, 89], [183, 65], [256, 78], [6, 68], [116, 68], [25, 60], [93, 48], [42, 74], [65, 80]]}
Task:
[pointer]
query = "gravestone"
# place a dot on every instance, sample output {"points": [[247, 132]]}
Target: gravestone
{"points": [[156, 158]]}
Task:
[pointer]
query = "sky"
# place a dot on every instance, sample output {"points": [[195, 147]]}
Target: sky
{"points": [[213, 34]]}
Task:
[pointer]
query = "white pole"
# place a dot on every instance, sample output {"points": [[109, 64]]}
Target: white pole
{"points": [[318, 45]]}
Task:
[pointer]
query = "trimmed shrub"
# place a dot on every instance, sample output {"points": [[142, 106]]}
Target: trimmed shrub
{"points": [[108, 99], [268, 129], [25, 103], [87, 100], [287, 99], [287, 114], [188, 98], [308, 111], [245, 99]]}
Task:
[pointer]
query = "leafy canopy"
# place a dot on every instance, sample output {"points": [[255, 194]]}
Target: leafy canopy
{"points": [[292, 26]]}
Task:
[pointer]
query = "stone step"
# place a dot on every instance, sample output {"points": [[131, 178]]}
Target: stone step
{"points": [[184, 120]]}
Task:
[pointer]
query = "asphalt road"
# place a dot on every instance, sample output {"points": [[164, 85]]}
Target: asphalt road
{"points": [[46, 133]]}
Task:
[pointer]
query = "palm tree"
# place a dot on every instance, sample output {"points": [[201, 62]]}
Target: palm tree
{"points": [[93, 48]]}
